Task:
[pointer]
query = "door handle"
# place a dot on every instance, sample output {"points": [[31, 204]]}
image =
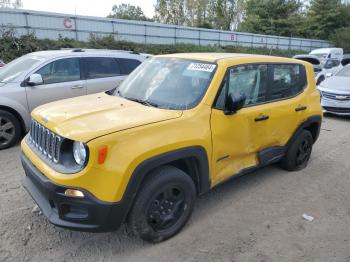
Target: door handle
{"points": [[300, 108], [77, 87], [261, 118]]}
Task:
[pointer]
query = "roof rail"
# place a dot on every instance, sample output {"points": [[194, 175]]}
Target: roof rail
{"points": [[91, 49]]}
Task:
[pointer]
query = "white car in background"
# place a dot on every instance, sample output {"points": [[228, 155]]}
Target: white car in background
{"points": [[322, 68], [335, 93], [328, 53], [42, 77]]}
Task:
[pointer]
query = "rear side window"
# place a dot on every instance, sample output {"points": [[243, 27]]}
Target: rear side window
{"points": [[101, 67], [63, 70], [287, 81], [128, 65]]}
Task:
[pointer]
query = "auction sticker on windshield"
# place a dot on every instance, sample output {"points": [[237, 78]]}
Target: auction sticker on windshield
{"points": [[201, 67]]}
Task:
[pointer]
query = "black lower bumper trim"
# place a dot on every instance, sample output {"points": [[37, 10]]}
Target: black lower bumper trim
{"points": [[83, 214]]}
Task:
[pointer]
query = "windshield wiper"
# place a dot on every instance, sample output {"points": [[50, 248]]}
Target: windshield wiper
{"points": [[143, 102]]}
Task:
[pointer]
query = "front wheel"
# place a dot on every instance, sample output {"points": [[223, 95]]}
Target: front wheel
{"points": [[163, 206], [298, 153], [10, 129]]}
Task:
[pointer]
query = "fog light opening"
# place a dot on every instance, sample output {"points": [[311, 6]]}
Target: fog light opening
{"points": [[73, 193]]}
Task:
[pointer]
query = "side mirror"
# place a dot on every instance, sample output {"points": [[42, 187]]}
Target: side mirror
{"points": [[35, 79], [234, 103]]}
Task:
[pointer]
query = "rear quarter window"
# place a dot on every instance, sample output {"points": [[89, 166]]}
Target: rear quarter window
{"points": [[128, 65]]}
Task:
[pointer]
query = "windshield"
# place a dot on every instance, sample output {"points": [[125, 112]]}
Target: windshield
{"points": [[168, 83], [321, 56], [12, 70], [344, 72]]}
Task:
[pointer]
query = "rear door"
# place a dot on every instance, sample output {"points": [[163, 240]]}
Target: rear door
{"points": [[287, 101], [61, 79], [102, 74]]}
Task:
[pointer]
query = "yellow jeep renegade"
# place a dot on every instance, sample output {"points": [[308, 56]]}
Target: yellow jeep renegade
{"points": [[177, 126]]}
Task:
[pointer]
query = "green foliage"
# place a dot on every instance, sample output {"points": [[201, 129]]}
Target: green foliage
{"points": [[273, 17], [128, 12], [170, 12], [216, 14], [341, 38], [12, 46], [324, 17]]}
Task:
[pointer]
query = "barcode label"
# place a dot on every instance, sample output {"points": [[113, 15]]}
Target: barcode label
{"points": [[201, 67]]}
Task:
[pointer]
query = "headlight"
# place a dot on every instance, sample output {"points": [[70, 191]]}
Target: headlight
{"points": [[79, 153]]}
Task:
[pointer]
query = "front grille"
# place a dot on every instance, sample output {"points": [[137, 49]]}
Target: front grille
{"points": [[45, 141], [338, 109], [337, 97]]}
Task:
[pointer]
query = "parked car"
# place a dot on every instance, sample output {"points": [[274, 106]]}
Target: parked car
{"points": [[47, 76], [176, 127], [2, 63], [328, 53], [335, 93], [322, 69]]}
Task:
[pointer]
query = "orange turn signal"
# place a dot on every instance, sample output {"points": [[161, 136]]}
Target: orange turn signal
{"points": [[102, 155]]}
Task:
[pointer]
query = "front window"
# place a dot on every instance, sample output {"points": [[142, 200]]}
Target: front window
{"points": [[345, 72], [59, 71], [12, 70], [168, 83]]}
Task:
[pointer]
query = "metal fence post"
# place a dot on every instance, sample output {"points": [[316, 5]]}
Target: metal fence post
{"points": [[27, 22], [76, 28], [199, 37]]}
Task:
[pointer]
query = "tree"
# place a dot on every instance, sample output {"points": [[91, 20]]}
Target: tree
{"points": [[128, 12], [274, 17], [341, 38], [223, 13], [170, 12], [324, 17], [11, 3]]}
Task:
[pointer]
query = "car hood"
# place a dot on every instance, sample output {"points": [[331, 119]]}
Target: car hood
{"points": [[88, 117], [336, 83]]}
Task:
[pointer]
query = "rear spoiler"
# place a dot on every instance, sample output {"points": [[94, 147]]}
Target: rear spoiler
{"points": [[308, 58]]}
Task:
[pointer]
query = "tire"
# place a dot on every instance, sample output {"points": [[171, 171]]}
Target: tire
{"points": [[10, 130], [298, 153], [163, 206]]}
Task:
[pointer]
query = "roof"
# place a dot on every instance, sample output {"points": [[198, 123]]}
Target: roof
{"points": [[216, 57]]}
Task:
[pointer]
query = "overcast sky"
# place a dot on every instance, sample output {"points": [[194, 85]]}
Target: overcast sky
{"points": [[86, 7]]}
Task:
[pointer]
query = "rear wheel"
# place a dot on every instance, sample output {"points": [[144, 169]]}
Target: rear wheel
{"points": [[10, 129], [299, 152], [163, 206]]}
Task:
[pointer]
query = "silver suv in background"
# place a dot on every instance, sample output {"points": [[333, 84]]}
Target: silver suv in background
{"points": [[42, 77]]}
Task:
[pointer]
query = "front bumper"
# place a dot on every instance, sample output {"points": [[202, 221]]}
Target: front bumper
{"points": [[83, 214], [335, 107]]}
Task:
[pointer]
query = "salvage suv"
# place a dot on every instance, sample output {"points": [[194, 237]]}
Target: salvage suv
{"points": [[178, 126]]}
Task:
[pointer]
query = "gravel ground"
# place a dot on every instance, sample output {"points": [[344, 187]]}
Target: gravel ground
{"points": [[257, 217]]}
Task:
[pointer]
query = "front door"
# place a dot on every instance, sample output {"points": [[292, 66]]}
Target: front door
{"points": [[238, 137], [61, 80]]}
